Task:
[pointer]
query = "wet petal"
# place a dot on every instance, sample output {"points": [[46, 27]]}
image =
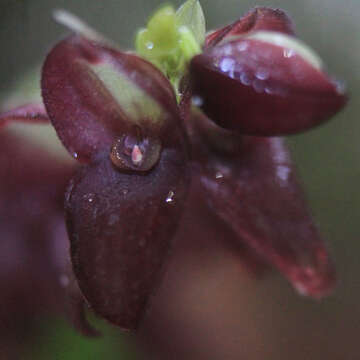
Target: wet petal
{"points": [[259, 18], [257, 194], [120, 227], [95, 94], [265, 84]]}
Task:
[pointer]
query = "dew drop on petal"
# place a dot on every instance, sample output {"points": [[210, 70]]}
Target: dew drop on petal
{"points": [[219, 175], [340, 86], [170, 197], [197, 101], [227, 64], [245, 78], [283, 172], [258, 86], [242, 46], [288, 53], [90, 197], [262, 74], [136, 155], [149, 45], [228, 50]]}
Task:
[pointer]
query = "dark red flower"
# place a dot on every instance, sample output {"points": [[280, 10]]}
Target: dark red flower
{"points": [[118, 115]]}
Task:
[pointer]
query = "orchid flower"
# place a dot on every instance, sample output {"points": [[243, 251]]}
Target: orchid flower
{"points": [[188, 110]]}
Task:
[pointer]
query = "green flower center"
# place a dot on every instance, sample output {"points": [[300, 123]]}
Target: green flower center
{"points": [[172, 38]]}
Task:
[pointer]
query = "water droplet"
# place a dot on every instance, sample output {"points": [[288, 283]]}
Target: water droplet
{"points": [[136, 155], [228, 50], [125, 191], [340, 86], [170, 197], [301, 288], [219, 175], [262, 74], [258, 85], [245, 78], [283, 172], [149, 45], [227, 64], [64, 280], [288, 53], [197, 100], [242, 46], [89, 197], [75, 155]]}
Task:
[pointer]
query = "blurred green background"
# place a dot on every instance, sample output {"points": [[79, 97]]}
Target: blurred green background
{"points": [[271, 321]]}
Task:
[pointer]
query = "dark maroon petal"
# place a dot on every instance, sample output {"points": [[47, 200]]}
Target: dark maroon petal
{"points": [[27, 113], [33, 241], [257, 194], [120, 227], [258, 88], [87, 90], [259, 18]]}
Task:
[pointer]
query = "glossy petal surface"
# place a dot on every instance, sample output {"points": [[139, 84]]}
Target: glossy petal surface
{"points": [[120, 227], [257, 194], [259, 18], [94, 94], [258, 88]]}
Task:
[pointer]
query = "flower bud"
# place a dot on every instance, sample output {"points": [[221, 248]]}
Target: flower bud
{"points": [[264, 83]]}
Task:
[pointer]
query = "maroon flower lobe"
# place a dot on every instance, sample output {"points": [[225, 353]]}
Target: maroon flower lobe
{"points": [[119, 115], [264, 83], [257, 194]]}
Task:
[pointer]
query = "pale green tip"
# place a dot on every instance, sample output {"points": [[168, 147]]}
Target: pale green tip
{"points": [[171, 38]]}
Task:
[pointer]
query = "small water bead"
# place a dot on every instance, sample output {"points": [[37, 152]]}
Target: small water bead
{"points": [[283, 172], [258, 86], [288, 53], [228, 50], [227, 64], [136, 155], [340, 86], [89, 197], [243, 46], [245, 78], [170, 197], [149, 45], [262, 74], [219, 175], [197, 101]]}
